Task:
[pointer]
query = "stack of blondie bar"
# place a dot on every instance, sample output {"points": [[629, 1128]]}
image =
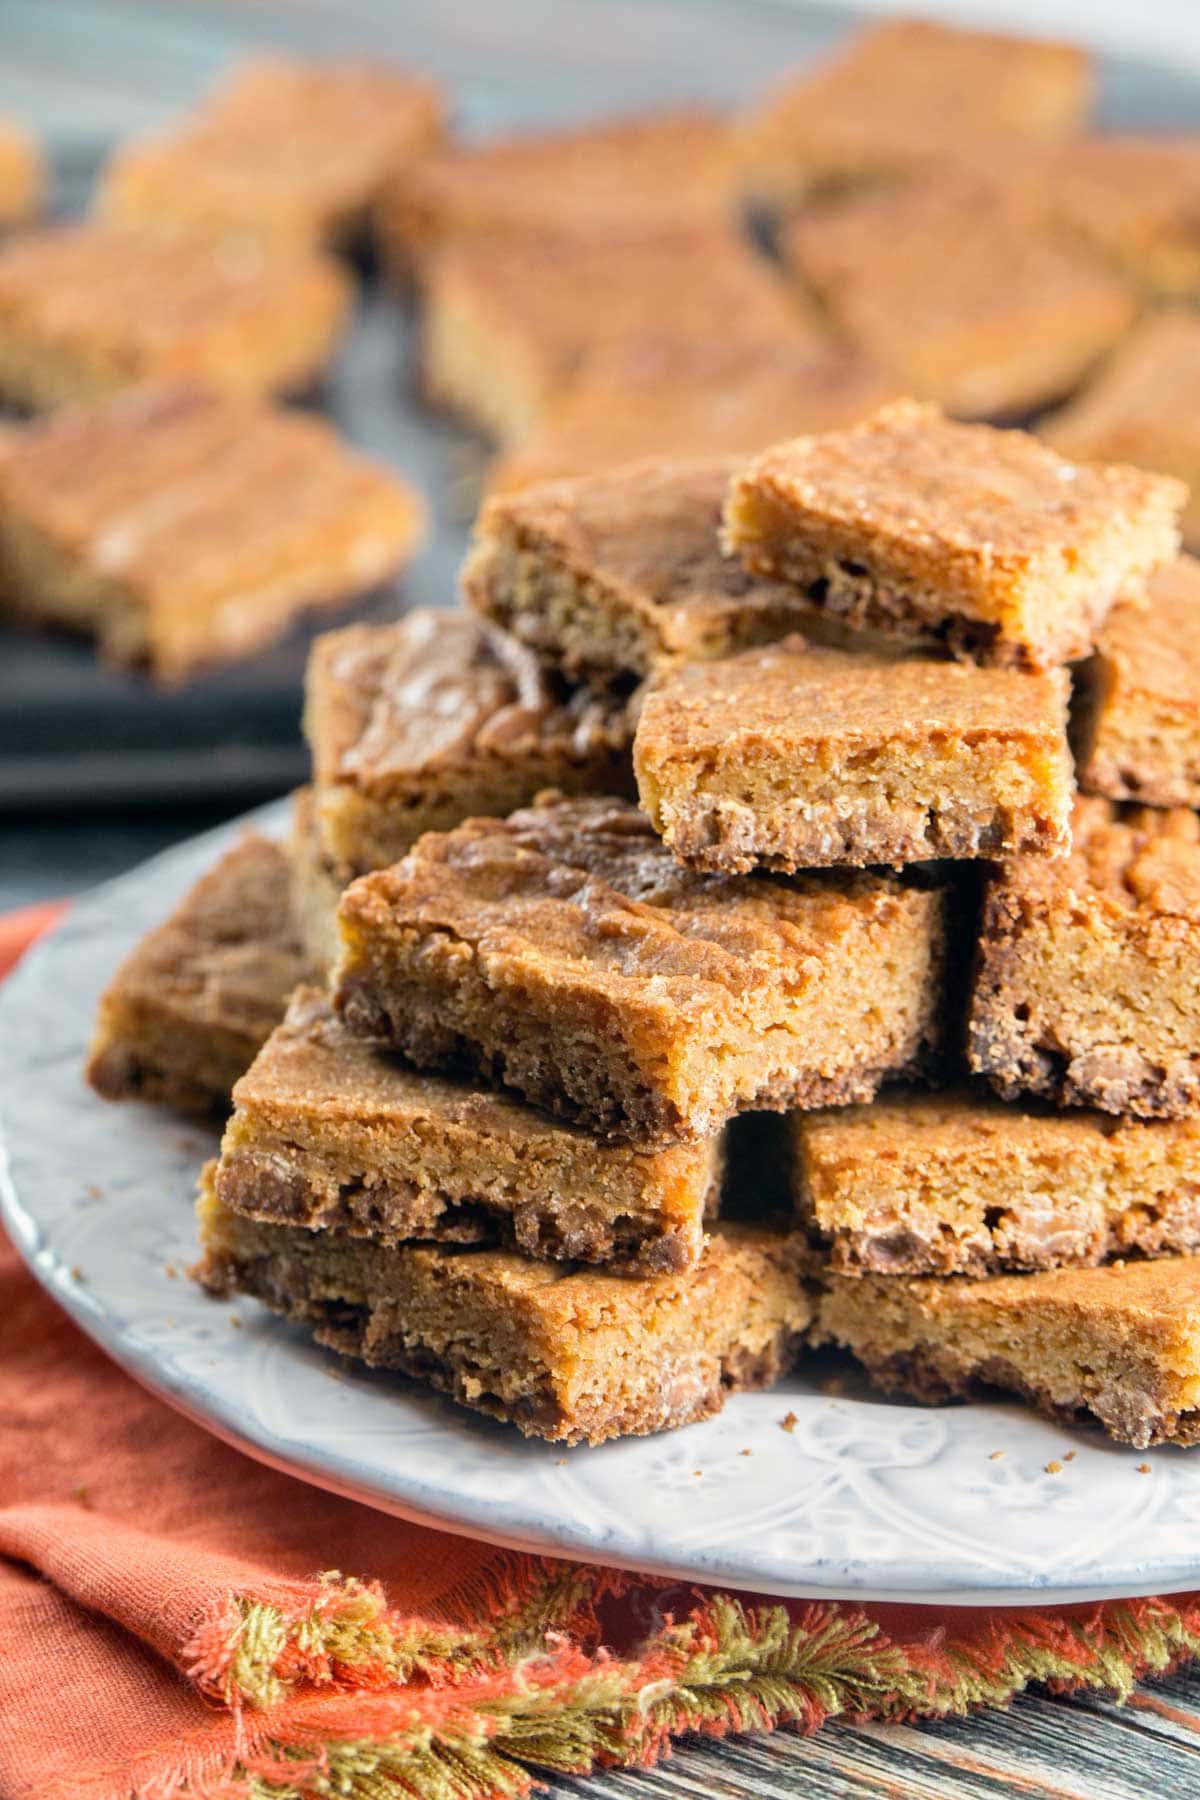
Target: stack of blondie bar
{"points": [[703, 954]]}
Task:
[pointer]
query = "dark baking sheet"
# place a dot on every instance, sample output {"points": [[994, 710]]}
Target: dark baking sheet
{"points": [[73, 732]]}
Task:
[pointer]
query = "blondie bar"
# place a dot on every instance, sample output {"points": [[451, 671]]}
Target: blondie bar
{"points": [[22, 175], [634, 175], [89, 308], [677, 398], [610, 576], [986, 539], [286, 154], [331, 1131], [1137, 725], [1117, 1345], [1133, 198], [966, 297], [185, 527], [417, 726], [903, 95], [564, 953], [574, 1355], [1144, 408], [188, 1011], [1086, 988], [797, 756], [958, 1183], [508, 321]]}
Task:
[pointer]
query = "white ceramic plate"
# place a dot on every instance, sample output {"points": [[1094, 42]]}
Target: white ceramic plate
{"points": [[861, 1499]]}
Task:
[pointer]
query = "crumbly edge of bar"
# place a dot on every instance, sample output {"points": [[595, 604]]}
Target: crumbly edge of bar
{"points": [[999, 1232], [144, 1050], [1133, 746], [293, 1178], [933, 1375], [837, 576], [781, 829], [500, 1368], [363, 830], [1146, 1081]]}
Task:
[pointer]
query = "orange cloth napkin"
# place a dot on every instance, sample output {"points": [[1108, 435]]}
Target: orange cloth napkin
{"points": [[170, 1624]]}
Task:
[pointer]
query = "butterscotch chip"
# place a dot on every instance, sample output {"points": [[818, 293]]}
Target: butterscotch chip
{"points": [[957, 1183], [565, 954], [610, 576], [417, 726], [1116, 1344], [1138, 727], [987, 539], [331, 1131], [1085, 990], [641, 176], [86, 309], [684, 398], [188, 1010], [1144, 408], [962, 293], [316, 884], [22, 175], [183, 527], [906, 94], [508, 321], [798, 756], [574, 1355], [286, 153], [1134, 198]]}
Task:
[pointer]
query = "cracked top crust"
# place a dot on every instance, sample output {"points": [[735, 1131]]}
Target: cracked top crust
{"points": [[807, 694], [999, 498], [433, 691], [585, 879]]}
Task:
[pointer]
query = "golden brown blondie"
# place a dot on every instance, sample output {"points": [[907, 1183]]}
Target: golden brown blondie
{"points": [[509, 321], [1086, 988], [966, 297], [906, 94], [986, 539], [184, 527], [285, 153], [1143, 407], [89, 308], [610, 576], [685, 398], [188, 1010], [419, 725], [1137, 727], [329, 1130], [564, 953], [798, 756], [958, 1183], [575, 1355], [629, 176], [1117, 1345]]}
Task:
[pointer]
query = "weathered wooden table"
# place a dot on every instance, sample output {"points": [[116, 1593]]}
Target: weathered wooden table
{"points": [[88, 71]]}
